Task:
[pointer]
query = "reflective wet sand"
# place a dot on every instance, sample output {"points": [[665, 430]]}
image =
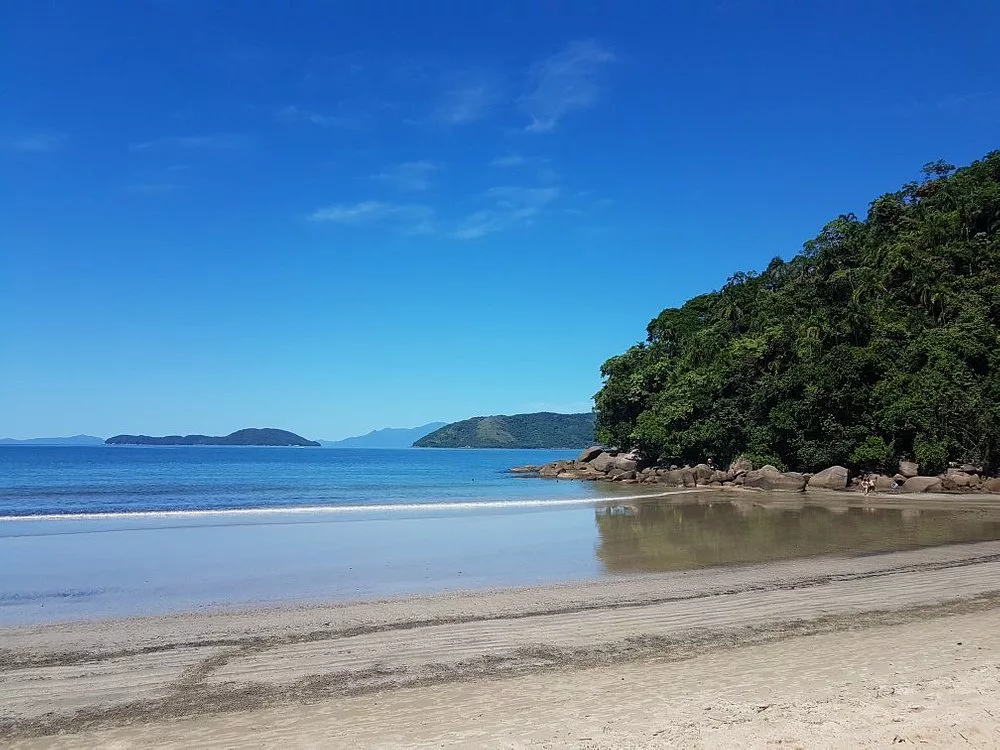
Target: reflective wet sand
{"points": [[716, 528]]}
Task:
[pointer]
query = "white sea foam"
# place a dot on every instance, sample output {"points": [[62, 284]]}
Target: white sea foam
{"points": [[342, 509]]}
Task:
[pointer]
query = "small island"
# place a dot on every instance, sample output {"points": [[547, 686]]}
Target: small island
{"points": [[538, 430], [248, 437]]}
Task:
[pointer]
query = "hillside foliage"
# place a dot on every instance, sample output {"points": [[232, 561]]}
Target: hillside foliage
{"points": [[879, 341], [538, 430]]}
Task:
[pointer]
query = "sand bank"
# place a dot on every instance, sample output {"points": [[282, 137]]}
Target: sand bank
{"points": [[685, 657]]}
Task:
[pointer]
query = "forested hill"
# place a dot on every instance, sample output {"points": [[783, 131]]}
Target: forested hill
{"points": [[251, 436], [540, 430], [879, 341]]}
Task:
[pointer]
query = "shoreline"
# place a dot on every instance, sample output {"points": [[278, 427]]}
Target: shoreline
{"points": [[228, 666]]}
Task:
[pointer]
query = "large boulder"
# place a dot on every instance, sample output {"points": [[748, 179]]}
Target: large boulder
{"points": [[527, 469], [740, 466], [992, 485], [960, 479], [909, 469], [922, 484], [769, 478], [703, 472], [834, 478], [602, 461], [589, 454], [625, 463]]}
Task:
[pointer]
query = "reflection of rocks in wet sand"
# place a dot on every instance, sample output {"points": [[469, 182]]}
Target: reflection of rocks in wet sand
{"points": [[715, 528]]}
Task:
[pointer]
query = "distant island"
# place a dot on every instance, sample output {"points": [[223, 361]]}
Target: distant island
{"points": [[540, 430], [72, 440], [390, 437], [252, 436]]}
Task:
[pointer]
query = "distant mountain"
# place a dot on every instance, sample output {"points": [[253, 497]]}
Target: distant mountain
{"points": [[541, 430], [267, 436], [390, 437], [74, 440]]}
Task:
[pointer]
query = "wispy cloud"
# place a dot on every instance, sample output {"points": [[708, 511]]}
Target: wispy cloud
{"points": [[192, 142], [512, 206], [152, 188], [39, 143], [566, 82], [466, 100], [411, 218], [511, 160], [292, 115], [410, 175]]}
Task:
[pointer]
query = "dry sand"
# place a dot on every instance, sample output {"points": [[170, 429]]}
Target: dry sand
{"points": [[822, 652]]}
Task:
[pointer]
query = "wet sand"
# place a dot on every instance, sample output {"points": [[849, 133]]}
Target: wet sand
{"points": [[820, 651]]}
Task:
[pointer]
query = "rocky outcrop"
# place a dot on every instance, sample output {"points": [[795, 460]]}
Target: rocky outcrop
{"points": [[600, 464], [589, 454], [769, 478], [922, 484], [834, 478], [909, 469]]}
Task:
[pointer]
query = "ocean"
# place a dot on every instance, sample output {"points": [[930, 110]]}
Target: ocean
{"points": [[94, 532]]}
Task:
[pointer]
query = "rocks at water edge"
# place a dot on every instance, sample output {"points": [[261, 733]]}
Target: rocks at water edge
{"points": [[602, 464], [834, 478]]}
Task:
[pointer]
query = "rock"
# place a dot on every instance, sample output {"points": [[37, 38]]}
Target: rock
{"points": [[720, 477], [527, 469], [673, 477], [970, 469], [703, 472], [909, 469], [833, 478], [769, 478], [624, 463], [882, 482], [590, 453], [922, 484], [601, 462], [992, 485], [961, 478], [740, 466], [549, 471]]}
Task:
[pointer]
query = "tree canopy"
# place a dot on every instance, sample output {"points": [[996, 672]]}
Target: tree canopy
{"points": [[879, 341]]}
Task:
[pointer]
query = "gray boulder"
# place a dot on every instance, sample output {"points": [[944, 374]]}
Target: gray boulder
{"points": [[834, 478], [958, 479], [909, 469], [922, 484], [769, 478], [740, 466], [602, 462], [527, 469], [625, 463], [589, 454], [992, 485]]}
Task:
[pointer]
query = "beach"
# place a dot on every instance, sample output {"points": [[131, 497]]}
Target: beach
{"points": [[823, 651]]}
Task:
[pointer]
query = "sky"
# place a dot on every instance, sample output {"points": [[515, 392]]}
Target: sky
{"points": [[336, 217]]}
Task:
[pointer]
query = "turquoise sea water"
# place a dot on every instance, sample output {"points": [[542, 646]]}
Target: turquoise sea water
{"points": [[51, 480], [103, 532]]}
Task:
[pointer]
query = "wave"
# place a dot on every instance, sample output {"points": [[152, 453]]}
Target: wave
{"points": [[339, 509]]}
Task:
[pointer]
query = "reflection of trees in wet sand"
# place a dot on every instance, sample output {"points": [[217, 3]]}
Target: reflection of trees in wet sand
{"points": [[659, 536]]}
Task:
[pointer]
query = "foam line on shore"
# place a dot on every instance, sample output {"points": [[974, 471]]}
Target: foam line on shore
{"points": [[340, 509]]}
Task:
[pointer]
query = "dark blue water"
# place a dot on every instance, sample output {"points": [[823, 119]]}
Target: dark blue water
{"points": [[53, 480]]}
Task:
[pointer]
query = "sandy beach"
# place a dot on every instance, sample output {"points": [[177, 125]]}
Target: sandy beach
{"points": [[899, 647]]}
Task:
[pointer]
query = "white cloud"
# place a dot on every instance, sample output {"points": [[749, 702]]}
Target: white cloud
{"points": [[512, 160], [292, 115], [39, 143], [152, 188], [566, 82], [410, 175], [194, 142], [467, 101], [512, 206], [410, 218]]}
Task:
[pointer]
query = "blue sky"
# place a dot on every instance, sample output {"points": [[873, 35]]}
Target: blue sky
{"points": [[334, 217]]}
